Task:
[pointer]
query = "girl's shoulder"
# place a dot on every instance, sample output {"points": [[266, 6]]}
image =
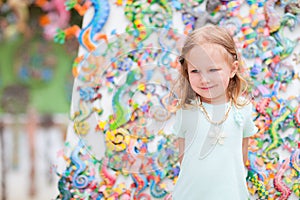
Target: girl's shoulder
{"points": [[187, 112], [185, 119], [245, 102], [247, 107]]}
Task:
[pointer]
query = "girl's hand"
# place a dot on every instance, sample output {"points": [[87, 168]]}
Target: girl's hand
{"points": [[181, 142], [245, 150]]}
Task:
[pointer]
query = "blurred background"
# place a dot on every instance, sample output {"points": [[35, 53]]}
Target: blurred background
{"points": [[35, 93]]}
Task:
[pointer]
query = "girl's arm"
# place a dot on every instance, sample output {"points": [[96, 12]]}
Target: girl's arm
{"points": [[181, 142], [245, 149]]}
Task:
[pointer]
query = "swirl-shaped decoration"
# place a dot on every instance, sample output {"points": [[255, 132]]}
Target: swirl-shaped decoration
{"points": [[117, 140], [158, 13], [90, 35], [132, 117]]}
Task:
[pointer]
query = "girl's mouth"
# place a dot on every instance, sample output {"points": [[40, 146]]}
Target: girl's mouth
{"points": [[206, 88]]}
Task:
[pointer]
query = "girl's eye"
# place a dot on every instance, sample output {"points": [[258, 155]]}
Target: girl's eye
{"points": [[194, 71], [214, 70]]}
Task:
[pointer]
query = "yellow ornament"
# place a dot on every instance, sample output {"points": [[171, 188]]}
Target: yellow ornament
{"points": [[117, 140]]}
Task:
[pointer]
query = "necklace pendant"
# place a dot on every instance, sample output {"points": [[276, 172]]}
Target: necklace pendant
{"points": [[220, 138]]}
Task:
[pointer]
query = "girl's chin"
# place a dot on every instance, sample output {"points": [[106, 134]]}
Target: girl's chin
{"points": [[210, 99]]}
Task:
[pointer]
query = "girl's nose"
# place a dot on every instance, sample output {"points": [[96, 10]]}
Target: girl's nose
{"points": [[204, 79], [205, 82]]}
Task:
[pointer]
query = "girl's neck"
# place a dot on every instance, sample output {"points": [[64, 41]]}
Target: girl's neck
{"points": [[215, 101]]}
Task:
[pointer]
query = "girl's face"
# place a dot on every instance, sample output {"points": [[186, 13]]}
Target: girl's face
{"points": [[209, 72]]}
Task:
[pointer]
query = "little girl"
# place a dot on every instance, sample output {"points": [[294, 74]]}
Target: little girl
{"points": [[214, 119]]}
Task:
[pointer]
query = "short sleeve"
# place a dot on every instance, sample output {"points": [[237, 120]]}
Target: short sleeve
{"points": [[186, 123], [249, 127], [178, 128]]}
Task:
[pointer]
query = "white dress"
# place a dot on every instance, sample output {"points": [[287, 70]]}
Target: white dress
{"points": [[219, 172]]}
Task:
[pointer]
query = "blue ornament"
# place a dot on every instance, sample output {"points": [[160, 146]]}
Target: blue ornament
{"points": [[238, 118]]}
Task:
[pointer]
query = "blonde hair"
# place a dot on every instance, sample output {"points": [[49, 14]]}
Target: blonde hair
{"points": [[211, 35]]}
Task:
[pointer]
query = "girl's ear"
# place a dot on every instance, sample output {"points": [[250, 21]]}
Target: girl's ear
{"points": [[181, 60], [235, 67]]}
